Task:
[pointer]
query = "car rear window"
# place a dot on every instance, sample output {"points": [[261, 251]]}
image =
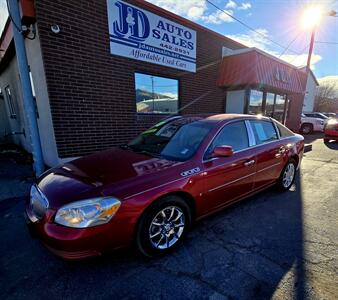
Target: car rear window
{"points": [[264, 131], [283, 131]]}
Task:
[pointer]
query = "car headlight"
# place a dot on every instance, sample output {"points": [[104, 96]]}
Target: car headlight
{"points": [[332, 122], [87, 213]]}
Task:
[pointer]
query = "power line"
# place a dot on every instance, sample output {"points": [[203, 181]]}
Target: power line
{"points": [[249, 27], [286, 49], [332, 43], [307, 46]]}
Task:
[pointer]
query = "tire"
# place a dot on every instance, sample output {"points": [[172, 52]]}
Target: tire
{"points": [[284, 182], [306, 128], [157, 235]]}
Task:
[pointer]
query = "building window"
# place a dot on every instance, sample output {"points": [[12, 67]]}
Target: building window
{"points": [[255, 102], [270, 104], [280, 108], [9, 98], [156, 94]]}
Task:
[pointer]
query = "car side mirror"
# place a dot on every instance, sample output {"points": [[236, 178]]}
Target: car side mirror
{"points": [[223, 151]]}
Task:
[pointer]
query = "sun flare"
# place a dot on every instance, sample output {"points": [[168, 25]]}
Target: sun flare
{"points": [[311, 17]]}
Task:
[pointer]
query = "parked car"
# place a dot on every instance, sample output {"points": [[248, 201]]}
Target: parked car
{"points": [[150, 191], [331, 130], [311, 124], [317, 115]]}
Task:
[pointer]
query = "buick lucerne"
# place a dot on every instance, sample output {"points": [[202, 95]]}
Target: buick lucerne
{"points": [[150, 191]]}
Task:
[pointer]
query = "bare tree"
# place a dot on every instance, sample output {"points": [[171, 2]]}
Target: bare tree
{"points": [[326, 97]]}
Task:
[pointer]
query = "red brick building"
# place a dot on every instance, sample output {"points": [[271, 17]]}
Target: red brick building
{"points": [[91, 94]]}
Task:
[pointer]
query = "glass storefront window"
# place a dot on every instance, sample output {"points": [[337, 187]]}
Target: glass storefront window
{"points": [[255, 102], [269, 105], [156, 94], [279, 108]]}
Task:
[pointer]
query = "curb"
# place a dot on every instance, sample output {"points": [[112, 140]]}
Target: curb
{"points": [[307, 148]]}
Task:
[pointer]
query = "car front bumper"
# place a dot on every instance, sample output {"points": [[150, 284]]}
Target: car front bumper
{"points": [[74, 243], [331, 133]]}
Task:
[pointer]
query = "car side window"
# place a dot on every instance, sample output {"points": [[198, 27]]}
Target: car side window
{"points": [[234, 135], [264, 131], [283, 131]]}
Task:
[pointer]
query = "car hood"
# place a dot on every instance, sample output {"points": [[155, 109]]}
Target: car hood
{"points": [[92, 175]]}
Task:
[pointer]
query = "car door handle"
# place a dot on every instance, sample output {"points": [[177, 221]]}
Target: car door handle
{"points": [[280, 152], [249, 163]]}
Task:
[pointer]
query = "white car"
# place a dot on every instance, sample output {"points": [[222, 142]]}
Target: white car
{"points": [[310, 124]]}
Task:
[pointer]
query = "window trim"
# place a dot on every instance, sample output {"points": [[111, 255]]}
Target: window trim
{"points": [[142, 72]]}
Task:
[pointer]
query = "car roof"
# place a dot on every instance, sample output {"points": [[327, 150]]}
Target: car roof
{"points": [[218, 118]]}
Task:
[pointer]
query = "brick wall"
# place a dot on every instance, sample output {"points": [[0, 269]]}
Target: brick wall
{"points": [[92, 93]]}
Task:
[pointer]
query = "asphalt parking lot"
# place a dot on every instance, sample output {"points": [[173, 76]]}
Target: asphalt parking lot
{"points": [[273, 245]]}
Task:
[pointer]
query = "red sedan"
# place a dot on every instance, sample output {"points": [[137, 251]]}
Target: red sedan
{"points": [[331, 130], [151, 190]]}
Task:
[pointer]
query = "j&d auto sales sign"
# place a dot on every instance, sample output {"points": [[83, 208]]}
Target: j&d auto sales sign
{"points": [[139, 34]]}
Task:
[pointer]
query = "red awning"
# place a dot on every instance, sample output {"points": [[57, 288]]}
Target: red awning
{"points": [[258, 69]]}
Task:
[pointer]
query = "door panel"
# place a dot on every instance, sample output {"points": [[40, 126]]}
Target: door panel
{"points": [[270, 153], [269, 163], [228, 178]]}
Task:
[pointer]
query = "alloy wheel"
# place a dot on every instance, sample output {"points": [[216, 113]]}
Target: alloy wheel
{"points": [[167, 227], [289, 174], [306, 129]]}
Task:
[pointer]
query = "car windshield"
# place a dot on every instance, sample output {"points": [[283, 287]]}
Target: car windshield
{"points": [[323, 116], [174, 139]]}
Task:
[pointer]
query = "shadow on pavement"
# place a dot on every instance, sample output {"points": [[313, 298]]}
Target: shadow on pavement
{"points": [[252, 250], [332, 145], [309, 138]]}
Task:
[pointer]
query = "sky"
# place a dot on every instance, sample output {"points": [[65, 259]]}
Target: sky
{"points": [[276, 20]]}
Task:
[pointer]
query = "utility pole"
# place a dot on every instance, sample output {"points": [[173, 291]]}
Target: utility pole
{"points": [[27, 95], [331, 13], [310, 51]]}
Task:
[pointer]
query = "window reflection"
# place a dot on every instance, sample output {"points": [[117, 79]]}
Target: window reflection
{"points": [[273, 105], [269, 105], [156, 94], [279, 108], [255, 102]]}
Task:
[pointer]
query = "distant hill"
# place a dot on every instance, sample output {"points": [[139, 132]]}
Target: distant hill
{"points": [[146, 95]]}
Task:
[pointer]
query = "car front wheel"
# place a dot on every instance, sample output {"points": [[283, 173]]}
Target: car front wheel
{"points": [[163, 226], [306, 128], [287, 176]]}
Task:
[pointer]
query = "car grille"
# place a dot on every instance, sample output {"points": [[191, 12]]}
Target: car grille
{"points": [[38, 202]]}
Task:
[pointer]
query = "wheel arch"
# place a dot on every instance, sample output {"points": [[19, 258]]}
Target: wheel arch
{"points": [[182, 194], [307, 123]]}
